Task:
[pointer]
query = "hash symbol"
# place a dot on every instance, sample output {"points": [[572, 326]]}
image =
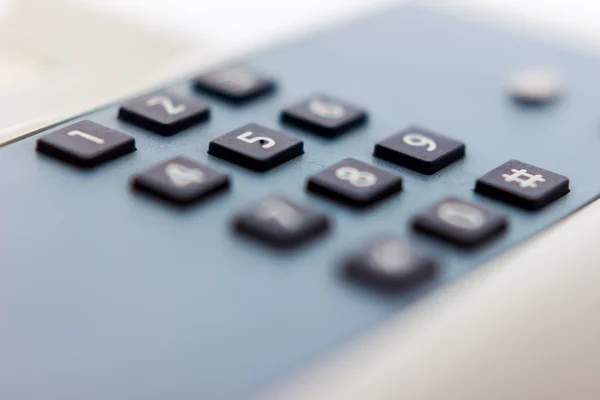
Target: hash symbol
{"points": [[518, 175]]}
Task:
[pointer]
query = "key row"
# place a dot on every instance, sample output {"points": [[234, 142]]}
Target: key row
{"points": [[356, 183], [415, 148], [280, 222], [167, 113], [389, 263]]}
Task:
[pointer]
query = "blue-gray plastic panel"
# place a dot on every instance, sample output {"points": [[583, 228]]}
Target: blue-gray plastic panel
{"points": [[107, 294]]}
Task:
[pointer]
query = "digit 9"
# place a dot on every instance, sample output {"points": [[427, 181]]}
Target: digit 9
{"points": [[419, 140]]}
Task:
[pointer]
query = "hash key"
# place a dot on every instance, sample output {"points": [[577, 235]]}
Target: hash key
{"points": [[523, 185]]}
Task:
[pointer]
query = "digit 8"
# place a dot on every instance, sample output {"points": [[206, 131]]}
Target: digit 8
{"points": [[357, 178]]}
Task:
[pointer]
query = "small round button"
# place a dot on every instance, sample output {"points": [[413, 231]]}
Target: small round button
{"points": [[536, 86]]}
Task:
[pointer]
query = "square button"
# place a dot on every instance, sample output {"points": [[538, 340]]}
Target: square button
{"points": [[86, 144], [237, 84], [181, 181], [164, 113], [355, 183], [390, 264], [255, 147], [461, 223], [523, 185], [279, 222], [420, 150], [325, 115]]}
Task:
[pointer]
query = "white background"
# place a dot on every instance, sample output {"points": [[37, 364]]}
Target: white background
{"points": [[249, 22], [242, 23]]}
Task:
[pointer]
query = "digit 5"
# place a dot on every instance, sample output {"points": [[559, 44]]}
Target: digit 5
{"points": [[266, 142]]}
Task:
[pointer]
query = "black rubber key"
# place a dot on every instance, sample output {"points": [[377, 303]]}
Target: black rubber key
{"points": [[355, 183], [390, 264], [279, 222], [420, 150], [256, 147], [86, 144], [181, 181], [461, 223], [237, 84], [164, 113], [523, 185], [325, 115]]}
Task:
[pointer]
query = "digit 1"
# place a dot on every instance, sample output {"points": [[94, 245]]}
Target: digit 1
{"points": [[87, 136]]}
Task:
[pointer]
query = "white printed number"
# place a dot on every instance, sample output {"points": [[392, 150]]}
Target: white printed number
{"points": [[283, 214], [182, 176], [265, 142], [462, 215], [391, 257], [237, 77], [357, 178], [167, 104], [87, 136], [326, 109], [418, 140]]}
